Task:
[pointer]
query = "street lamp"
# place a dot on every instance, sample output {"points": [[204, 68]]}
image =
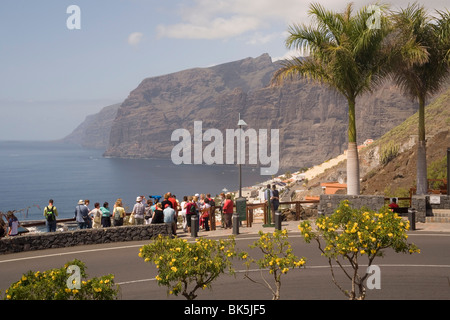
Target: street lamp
{"points": [[241, 123], [240, 201]]}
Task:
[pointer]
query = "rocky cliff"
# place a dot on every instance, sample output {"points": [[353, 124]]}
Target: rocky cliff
{"points": [[94, 132], [311, 118]]}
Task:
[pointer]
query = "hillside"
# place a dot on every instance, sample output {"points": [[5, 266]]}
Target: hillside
{"points": [[398, 175], [311, 118], [94, 131]]}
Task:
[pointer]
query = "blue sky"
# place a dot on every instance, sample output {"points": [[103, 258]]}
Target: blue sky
{"points": [[52, 77]]}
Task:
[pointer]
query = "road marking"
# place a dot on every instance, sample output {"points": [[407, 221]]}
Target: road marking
{"points": [[311, 267], [70, 253], [140, 245]]}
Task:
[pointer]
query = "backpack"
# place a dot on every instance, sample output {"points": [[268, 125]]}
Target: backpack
{"points": [[117, 213], [50, 214], [192, 209]]}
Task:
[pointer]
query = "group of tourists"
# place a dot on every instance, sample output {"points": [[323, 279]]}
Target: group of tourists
{"points": [[155, 209]]}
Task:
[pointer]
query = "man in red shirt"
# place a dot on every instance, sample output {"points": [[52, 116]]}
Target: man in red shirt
{"points": [[228, 211], [393, 203]]}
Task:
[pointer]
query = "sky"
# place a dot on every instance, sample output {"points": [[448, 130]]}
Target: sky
{"points": [[63, 60]]}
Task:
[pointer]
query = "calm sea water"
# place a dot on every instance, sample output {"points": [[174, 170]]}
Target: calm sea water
{"points": [[31, 173]]}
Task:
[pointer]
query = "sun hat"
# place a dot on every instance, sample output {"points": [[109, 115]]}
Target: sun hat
{"points": [[81, 202]]}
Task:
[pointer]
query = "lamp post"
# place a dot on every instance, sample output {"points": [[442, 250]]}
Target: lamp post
{"points": [[241, 123], [240, 201], [448, 171]]}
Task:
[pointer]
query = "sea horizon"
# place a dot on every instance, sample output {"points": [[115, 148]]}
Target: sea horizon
{"points": [[35, 171]]}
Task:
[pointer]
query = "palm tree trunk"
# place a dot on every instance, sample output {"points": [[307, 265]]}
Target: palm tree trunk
{"points": [[352, 152], [422, 182]]}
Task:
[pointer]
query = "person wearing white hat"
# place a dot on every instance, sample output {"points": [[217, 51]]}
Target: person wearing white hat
{"points": [[81, 215], [139, 211]]}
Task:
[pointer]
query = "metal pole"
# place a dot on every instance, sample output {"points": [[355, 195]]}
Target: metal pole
{"points": [[412, 218], [194, 225], [277, 220], [235, 222], [448, 171], [240, 164]]}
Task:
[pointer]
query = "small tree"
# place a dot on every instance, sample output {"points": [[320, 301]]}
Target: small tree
{"points": [[278, 259], [185, 267], [350, 234], [52, 285]]}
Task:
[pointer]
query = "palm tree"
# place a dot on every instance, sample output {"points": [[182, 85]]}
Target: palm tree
{"points": [[415, 27], [345, 52]]}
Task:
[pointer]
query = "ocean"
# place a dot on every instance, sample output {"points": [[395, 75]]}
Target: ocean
{"points": [[31, 173]]}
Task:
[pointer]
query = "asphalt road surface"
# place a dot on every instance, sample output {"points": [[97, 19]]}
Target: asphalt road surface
{"points": [[424, 276]]}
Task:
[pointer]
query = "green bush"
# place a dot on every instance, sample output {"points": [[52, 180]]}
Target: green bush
{"points": [[53, 285], [349, 235], [185, 267]]}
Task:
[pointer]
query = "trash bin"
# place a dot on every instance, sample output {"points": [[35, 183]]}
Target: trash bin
{"points": [[240, 215]]}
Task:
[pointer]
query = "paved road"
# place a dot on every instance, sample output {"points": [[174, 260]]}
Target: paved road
{"points": [[403, 276]]}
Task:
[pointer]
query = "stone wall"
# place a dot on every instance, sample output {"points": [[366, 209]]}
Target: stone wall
{"points": [[424, 206], [329, 203], [40, 241]]}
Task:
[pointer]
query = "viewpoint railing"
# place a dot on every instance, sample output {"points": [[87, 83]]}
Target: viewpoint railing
{"points": [[264, 206]]}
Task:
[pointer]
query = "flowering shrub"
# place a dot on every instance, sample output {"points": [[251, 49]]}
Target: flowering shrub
{"points": [[352, 233], [52, 285], [185, 267], [278, 258]]}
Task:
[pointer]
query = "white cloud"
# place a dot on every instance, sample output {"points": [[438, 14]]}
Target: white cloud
{"points": [[135, 38], [220, 19], [258, 38], [217, 28], [291, 54]]}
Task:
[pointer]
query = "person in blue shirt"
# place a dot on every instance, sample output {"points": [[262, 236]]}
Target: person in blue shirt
{"points": [[82, 215], [170, 217]]}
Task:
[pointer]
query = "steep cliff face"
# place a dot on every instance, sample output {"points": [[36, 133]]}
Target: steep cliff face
{"points": [[311, 118], [94, 132]]}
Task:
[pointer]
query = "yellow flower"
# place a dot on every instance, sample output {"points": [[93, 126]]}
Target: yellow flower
{"points": [[174, 269]]}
